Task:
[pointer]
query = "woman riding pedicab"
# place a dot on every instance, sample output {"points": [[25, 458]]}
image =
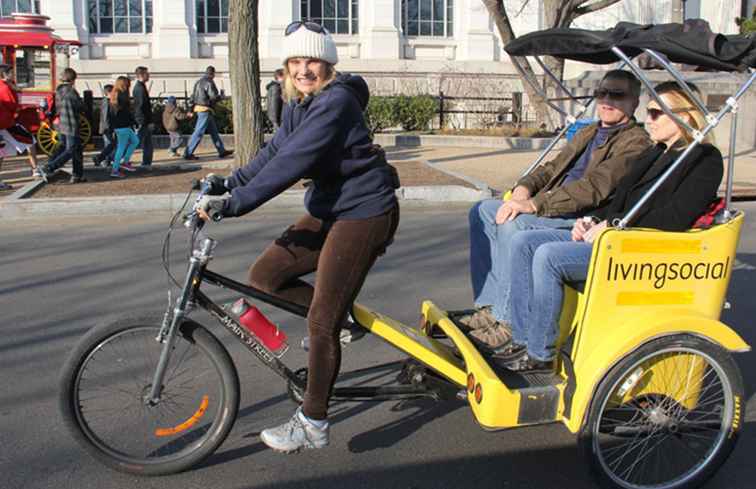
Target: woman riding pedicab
{"points": [[543, 260], [352, 212]]}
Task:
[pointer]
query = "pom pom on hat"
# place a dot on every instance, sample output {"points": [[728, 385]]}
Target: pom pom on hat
{"points": [[304, 43]]}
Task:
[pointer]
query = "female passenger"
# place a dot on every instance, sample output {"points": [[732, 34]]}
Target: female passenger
{"points": [[122, 122], [543, 260], [352, 212]]}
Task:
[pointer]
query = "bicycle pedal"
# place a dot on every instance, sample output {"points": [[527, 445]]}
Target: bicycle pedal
{"points": [[348, 334]]}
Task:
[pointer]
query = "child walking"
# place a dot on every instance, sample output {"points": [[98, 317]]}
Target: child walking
{"points": [[172, 115]]}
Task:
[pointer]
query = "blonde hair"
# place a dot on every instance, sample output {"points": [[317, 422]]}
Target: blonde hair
{"points": [[679, 101], [121, 84], [290, 91]]}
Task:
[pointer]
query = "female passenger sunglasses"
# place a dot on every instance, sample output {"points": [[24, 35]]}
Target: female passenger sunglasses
{"points": [[310, 26], [654, 114]]}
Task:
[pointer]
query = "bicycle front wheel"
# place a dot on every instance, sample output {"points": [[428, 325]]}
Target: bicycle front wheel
{"points": [[106, 383]]}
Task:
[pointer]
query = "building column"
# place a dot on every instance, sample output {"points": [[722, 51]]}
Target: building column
{"points": [[62, 17], [275, 15], [476, 38], [171, 35], [379, 32]]}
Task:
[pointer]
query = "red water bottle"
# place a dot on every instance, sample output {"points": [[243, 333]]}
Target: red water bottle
{"points": [[261, 328]]}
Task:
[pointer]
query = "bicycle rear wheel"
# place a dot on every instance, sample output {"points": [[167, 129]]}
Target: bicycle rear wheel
{"points": [[108, 377]]}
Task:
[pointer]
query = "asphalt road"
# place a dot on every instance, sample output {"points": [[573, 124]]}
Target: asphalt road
{"points": [[58, 278]]}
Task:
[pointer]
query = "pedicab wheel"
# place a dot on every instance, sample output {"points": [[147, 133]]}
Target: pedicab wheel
{"points": [[667, 416], [296, 393], [105, 387], [47, 138]]}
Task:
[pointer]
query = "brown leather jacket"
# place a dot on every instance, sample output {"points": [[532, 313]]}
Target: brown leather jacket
{"points": [[609, 163]]}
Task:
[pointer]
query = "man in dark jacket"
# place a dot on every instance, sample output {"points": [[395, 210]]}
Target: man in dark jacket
{"points": [[204, 97], [581, 178], [275, 99], [108, 136], [143, 114], [68, 106]]}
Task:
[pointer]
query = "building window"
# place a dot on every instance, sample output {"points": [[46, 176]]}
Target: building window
{"points": [[7, 7], [212, 16], [338, 16], [428, 18], [120, 16]]}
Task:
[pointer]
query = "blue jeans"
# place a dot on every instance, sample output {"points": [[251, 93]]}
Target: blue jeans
{"points": [[205, 123], [144, 133], [127, 143], [541, 262], [489, 252], [70, 149], [108, 147]]}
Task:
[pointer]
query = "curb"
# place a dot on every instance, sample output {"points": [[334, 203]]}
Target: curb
{"points": [[97, 206]]}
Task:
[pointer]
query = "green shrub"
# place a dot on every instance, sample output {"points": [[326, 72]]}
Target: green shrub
{"points": [[415, 113], [380, 114], [747, 24]]}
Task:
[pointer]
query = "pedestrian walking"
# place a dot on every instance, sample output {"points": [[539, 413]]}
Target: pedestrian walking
{"points": [[122, 122], [143, 114], [172, 115], [68, 106], [17, 138], [108, 136], [204, 97], [274, 98]]}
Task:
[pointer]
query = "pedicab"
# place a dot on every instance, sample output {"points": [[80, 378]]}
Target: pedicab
{"points": [[645, 377], [38, 57]]}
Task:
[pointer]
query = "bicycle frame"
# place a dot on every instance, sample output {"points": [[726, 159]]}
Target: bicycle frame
{"points": [[191, 296]]}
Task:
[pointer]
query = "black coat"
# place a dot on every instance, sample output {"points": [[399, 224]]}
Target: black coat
{"points": [[275, 102], [142, 106], [120, 115], [680, 200]]}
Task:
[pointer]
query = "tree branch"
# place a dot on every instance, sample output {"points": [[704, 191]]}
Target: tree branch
{"points": [[587, 9]]}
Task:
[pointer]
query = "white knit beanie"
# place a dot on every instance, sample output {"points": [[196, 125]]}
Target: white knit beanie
{"points": [[304, 43]]}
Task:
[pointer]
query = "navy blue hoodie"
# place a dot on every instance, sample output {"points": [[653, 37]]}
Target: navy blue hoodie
{"points": [[324, 138]]}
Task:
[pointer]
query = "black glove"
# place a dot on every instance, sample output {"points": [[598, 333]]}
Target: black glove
{"points": [[215, 184]]}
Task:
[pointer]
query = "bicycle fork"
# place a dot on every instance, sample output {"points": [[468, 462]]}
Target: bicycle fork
{"points": [[171, 321]]}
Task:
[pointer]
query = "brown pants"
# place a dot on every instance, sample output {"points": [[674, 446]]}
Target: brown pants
{"points": [[342, 252]]}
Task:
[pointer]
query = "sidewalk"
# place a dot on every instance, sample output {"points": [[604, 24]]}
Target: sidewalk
{"points": [[428, 173]]}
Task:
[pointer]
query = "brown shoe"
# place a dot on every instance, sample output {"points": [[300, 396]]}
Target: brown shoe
{"points": [[481, 318], [492, 337]]}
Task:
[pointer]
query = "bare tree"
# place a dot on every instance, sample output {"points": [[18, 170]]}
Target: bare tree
{"points": [[559, 13], [244, 68]]}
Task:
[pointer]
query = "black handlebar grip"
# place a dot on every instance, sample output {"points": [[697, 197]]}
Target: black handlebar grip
{"points": [[215, 210]]}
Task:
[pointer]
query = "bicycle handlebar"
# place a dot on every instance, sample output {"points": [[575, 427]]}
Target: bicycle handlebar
{"points": [[215, 210]]}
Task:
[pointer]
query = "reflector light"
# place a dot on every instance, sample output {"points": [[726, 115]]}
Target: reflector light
{"points": [[478, 393], [470, 383]]}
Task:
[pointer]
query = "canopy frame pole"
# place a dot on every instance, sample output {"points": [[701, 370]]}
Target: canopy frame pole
{"points": [[559, 82], [730, 106], [731, 163], [533, 83], [681, 81], [663, 106]]}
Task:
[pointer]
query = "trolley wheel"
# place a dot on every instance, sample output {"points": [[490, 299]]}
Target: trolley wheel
{"points": [[85, 131], [104, 396], [47, 138], [296, 393], [667, 416]]}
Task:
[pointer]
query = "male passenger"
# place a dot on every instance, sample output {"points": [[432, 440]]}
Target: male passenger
{"points": [[581, 178], [143, 114]]}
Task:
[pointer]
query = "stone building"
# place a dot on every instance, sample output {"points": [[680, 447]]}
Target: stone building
{"points": [[400, 46]]}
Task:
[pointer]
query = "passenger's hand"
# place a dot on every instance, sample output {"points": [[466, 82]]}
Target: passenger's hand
{"points": [[520, 193], [595, 230], [580, 228], [512, 208]]}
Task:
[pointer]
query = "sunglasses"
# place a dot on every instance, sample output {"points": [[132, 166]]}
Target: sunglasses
{"points": [[654, 114], [611, 94], [310, 26]]}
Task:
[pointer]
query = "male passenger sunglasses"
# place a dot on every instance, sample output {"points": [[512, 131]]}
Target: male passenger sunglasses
{"points": [[611, 94], [310, 26]]}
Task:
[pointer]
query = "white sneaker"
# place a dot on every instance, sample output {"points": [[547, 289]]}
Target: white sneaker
{"points": [[296, 434]]}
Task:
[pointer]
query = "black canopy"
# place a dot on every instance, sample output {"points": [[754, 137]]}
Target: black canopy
{"points": [[707, 50]]}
